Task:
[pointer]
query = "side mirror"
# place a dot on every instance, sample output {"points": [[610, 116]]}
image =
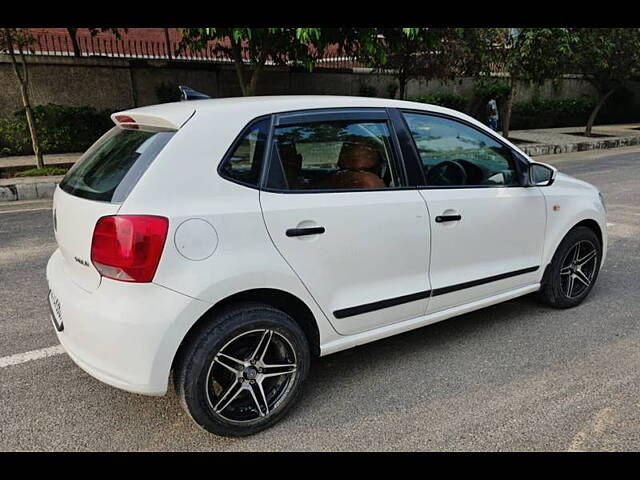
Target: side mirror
{"points": [[541, 174]]}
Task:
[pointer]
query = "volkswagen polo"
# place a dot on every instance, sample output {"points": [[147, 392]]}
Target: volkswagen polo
{"points": [[227, 242]]}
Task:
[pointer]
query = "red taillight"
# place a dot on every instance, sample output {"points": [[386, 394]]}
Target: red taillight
{"points": [[128, 247]]}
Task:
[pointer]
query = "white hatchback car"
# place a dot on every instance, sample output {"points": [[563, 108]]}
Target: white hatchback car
{"points": [[232, 240]]}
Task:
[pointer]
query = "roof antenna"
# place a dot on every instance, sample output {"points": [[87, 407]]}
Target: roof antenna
{"points": [[188, 93]]}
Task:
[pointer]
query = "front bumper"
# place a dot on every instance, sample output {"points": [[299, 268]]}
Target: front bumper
{"points": [[124, 334]]}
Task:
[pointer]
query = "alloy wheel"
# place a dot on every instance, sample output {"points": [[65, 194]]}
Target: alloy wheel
{"points": [[578, 268], [251, 375]]}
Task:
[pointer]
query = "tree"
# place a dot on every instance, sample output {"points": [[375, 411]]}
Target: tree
{"points": [[73, 34], [410, 53], [607, 58], [430, 53], [478, 55], [12, 39], [531, 55], [251, 48]]}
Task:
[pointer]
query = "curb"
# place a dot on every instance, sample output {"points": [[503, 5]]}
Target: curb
{"points": [[29, 190], [547, 149]]}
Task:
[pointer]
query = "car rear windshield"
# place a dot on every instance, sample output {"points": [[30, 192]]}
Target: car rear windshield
{"points": [[109, 170]]}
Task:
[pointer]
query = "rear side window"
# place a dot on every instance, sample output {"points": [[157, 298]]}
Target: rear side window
{"points": [[109, 170], [333, 155], [244, 164]]}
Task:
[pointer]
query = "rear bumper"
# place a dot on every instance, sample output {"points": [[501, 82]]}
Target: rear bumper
{"points": [[123, 334]]}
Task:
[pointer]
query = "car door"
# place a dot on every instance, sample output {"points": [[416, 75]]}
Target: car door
{"points": [[336, 205], [487, 229]]}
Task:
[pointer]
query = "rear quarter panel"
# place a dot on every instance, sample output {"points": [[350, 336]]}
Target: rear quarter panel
{"points": [[183, 184]]}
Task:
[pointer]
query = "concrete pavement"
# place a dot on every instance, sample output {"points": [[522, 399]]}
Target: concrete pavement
{"points": [[545, 141]]}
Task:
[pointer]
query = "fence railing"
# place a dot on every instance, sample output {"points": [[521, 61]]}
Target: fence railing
{"points": [[46, 44]]}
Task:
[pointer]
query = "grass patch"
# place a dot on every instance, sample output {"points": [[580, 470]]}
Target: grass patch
{"points": [[42, 172]]}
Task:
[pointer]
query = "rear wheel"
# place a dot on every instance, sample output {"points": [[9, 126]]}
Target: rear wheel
{"points": [[243, 370], [573, 270]]}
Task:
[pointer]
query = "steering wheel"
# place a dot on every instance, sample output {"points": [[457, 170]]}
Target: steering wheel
{"points": [[475, 174], [447, 172]]}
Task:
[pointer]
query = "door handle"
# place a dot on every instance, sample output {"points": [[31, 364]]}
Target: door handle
{"points": [[299, 232], [448, 218]]}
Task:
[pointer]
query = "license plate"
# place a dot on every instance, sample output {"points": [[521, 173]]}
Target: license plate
{"points": [[56, 311]]}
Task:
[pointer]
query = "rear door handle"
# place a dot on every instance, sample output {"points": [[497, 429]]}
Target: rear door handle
{"points": [[448, 218], [299, 232]]}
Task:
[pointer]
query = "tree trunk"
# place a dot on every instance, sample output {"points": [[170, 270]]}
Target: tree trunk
{"points": [[255, 75], [594, 113], [32, 129], [236, 52], [74, 41], [402, 86], [506, 122], [250, 89], [23, 83], [167, 41]]}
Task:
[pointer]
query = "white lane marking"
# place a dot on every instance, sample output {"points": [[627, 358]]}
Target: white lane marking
{"points": [[597, 428], [25, 210], [19, 358]]}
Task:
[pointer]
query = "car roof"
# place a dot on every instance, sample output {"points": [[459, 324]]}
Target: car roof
{"points": [[177, 113], [241, 110]]}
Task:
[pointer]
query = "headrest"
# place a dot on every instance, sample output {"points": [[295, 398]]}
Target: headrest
{"points": [[289, 154], [287, 147], [358, 155]]}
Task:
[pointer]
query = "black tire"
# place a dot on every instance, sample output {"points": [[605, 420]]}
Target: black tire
{"points": [[200, 382], [555, 285]]}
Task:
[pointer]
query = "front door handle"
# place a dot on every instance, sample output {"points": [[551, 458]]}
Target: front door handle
{"points": [[299, 232], [448, 218]]}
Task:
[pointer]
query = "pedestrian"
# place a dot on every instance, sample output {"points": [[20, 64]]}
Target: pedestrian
{"points": [[492, 113]]}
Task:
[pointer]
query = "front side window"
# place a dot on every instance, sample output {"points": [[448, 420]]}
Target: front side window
{"points": [[333, 155], [245, 162], [454, 154]]}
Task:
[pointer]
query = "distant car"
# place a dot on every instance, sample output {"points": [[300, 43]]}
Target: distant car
{"points": [[232, 240]]}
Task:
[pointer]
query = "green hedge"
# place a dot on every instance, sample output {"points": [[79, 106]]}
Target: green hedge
{"points": [[570, 112], [60, 129], [443, 99]]}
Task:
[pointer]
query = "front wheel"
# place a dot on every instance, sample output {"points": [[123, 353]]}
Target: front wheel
{"points": [[243, 370], [573, 270]]}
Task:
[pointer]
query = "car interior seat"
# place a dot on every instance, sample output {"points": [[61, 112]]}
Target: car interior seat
{"points": [[291, 163], [355, 159]]}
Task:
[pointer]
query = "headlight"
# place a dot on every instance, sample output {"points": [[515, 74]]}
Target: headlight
{"points": [[604, 205]]}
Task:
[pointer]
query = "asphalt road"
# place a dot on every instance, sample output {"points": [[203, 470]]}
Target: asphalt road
{"points": [[515, 376]]}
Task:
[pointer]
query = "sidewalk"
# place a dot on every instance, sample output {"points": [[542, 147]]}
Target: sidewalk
{"points": [[549, 141], [544, 141], [30, 161], [32, 188]]}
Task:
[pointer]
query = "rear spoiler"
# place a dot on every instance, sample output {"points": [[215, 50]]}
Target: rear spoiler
{"points": [[167, 116]]}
